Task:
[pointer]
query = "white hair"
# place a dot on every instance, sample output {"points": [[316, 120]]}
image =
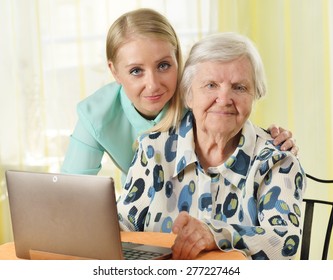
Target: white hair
{"points": [[223, 47]]}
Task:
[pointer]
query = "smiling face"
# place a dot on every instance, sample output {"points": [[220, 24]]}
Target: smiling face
{"points": [[147, 69], [222, 95]]}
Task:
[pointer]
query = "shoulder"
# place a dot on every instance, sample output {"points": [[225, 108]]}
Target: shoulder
{"points": [[100, 105], [153, 138], [268, 155], [258, 137], [158, 142], [262, 145], [181, 130], [102, 98]]}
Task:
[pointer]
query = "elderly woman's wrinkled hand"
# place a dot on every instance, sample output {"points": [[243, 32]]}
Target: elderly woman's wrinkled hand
{"points": [[193, 236]]}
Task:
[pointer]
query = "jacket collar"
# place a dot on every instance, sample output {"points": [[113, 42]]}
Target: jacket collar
{"points": [[139, 122]]}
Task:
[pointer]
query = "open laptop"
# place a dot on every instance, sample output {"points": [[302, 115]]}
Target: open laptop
{"points": [[73, 215]]}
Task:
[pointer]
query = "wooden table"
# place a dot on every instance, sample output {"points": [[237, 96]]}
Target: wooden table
{"points": [[7, 250]]}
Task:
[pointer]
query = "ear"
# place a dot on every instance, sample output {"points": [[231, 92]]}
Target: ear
{"points": [[113, 71]]}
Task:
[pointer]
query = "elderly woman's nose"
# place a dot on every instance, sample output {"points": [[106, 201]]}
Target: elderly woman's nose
{"points": [[223, 95]]}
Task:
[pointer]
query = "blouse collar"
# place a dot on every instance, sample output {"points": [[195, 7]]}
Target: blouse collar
{"points": [[234, 170]]}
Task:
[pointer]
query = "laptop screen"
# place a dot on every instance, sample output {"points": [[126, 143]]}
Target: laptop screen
{"points": [[74, 215]]}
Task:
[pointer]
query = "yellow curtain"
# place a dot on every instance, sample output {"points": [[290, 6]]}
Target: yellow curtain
{"points": [[294, 39]]}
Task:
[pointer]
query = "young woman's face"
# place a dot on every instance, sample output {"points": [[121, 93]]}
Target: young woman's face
{"points": [[147, 69]]}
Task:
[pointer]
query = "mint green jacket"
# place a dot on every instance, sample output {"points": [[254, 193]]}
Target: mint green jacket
{"points": [[108, 123]]}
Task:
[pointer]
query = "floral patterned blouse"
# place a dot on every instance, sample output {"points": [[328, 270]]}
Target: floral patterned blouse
{"points": [[251, 202]]}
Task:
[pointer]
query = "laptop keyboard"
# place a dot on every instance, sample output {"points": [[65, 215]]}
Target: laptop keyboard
{"points": [[134, 254]]}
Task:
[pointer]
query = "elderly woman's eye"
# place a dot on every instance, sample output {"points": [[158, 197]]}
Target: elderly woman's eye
{"points": [[240, 88], [211, 85]]}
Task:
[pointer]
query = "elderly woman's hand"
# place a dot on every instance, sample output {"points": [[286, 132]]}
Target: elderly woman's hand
{"points": [[284, 137], [193, 236]]}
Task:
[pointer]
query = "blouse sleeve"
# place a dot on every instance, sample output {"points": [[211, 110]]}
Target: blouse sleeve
{"points": [[277, 214], [133, 202], [84, 154]]}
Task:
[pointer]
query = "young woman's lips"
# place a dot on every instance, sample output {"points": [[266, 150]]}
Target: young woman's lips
{"points": [[154, 97]]}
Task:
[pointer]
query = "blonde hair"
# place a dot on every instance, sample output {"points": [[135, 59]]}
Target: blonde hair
{"points": [[149, 23]]}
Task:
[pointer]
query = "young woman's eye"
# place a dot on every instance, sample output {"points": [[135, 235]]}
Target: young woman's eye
{"points": [[135, 71], [164, 66]]}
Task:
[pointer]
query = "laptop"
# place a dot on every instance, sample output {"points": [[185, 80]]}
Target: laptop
{"points": [[73, 215]]}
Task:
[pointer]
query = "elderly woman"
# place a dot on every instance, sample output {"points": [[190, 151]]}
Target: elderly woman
{"points": [[216, 180]]}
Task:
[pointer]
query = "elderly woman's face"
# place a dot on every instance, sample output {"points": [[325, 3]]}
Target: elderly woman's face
{"points": [[222, 96]]}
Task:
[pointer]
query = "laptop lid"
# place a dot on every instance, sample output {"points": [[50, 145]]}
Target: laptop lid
{"points": [[66, 214]]}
